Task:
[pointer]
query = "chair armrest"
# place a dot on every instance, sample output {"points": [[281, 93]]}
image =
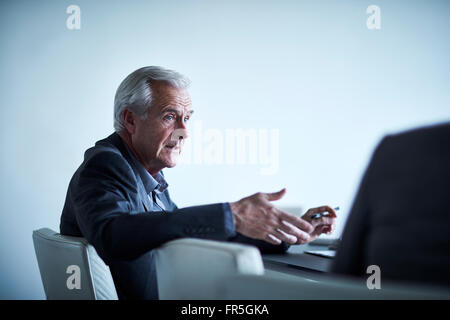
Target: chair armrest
{"points": [[195, 269]]}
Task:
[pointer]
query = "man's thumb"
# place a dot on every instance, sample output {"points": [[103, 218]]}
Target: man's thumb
{"points": [[276, 195]]}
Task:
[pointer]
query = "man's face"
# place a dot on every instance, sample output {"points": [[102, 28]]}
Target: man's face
{"points": [[159, 139]]}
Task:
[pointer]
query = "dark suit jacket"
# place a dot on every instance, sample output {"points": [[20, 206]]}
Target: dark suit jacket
{"points": [[108, 203], [400, 219]]}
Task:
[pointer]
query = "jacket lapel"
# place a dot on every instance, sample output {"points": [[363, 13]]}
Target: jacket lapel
{"points": [[148, 205]]}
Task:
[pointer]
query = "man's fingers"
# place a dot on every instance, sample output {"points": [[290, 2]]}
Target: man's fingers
{"points": [[257, 218], [272, 239], [330, 229], [286, 237], [322, 229], [300, 223], [294, 231], [330, 210], [325, 220], [275, 195]]}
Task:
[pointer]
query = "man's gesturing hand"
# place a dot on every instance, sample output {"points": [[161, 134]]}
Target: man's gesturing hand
{"points": [[257, 218]]}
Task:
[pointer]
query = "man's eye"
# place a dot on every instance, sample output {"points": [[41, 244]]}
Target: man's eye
{"points": [[170, 118], [186, 119]]}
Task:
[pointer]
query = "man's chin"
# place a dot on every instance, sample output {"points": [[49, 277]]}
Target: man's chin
{"points": [[169, 159], [170, 163]]}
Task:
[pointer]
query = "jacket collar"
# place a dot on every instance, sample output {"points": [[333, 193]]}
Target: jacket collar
{"points": [[150, 183]]}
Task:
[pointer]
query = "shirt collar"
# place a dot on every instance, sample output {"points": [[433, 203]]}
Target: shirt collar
{"points": [[156, 182], [150, 182]]}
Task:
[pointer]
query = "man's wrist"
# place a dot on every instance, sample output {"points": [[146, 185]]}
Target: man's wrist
{"points": [[230, 226], [234, 206]]}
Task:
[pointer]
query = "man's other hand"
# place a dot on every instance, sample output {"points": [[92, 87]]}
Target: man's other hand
{"points": [[325, 224], [256, 217]]}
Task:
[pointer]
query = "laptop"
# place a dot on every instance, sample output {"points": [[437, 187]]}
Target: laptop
{"points": [[316, 256], [322, 253]]}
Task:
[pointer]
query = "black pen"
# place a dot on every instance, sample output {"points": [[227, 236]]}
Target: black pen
{"points": [[321, 214]]}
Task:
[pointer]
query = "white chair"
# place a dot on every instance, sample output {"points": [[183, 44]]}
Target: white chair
{"points": [[186, 268], [60, 257], [196, 269]]}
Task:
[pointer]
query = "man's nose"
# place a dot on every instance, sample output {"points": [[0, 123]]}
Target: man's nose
{"points": [[179, 134], [182, 126]]}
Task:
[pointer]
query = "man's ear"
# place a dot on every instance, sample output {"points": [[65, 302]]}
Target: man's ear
{"points": [[129, 120]]}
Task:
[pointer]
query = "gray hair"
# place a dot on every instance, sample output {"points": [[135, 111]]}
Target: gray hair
{"points": [[135, 91]]}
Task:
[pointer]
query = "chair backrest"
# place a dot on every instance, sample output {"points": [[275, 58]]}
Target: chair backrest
{"points": [[71, 269], [195, 269], [329, 288]]}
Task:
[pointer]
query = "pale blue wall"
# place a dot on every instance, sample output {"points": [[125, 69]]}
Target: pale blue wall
{"points": [[311, 69]]}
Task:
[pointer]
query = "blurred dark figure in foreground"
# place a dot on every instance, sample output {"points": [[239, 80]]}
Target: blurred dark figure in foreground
{"points": [[400, 219]]}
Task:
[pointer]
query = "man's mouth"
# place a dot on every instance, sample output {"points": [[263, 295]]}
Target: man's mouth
{"points": [[172, 146]]}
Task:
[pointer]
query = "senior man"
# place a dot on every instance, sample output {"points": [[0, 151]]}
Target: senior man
{"points": [[118, 198]]}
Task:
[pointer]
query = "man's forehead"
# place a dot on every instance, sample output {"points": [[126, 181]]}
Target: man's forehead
{"points": [[179, 103], [177, 109], [166, 97]]}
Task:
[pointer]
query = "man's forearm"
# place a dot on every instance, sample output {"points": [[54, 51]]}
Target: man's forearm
{"points": [[128, 236]]}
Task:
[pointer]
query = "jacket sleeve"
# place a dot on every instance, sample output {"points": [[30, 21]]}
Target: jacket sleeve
{"points": [[263, 246], [102, 195]]}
